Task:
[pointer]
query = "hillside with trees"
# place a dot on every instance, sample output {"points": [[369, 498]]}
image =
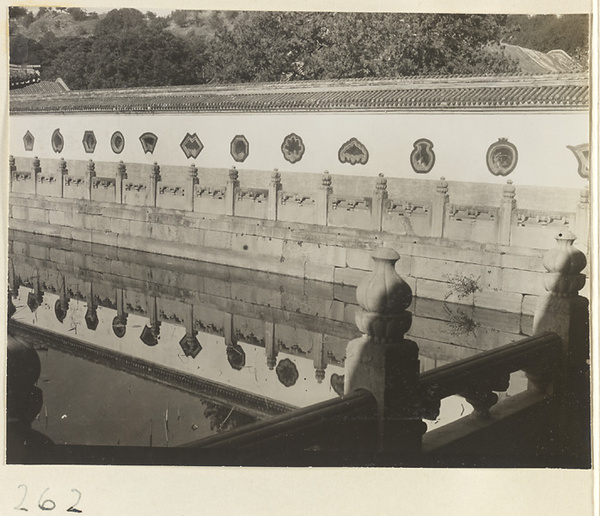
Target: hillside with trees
{"points": [[128, 48]]}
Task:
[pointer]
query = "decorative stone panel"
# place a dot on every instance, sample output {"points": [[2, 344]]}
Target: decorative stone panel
{"points": [[191, 146], [582, 153], [353, 152], [502, 157], [117, 142], [240, 148], [58, 142], [148, 141], [28, 141], [292, 148], [89, 141], [422, 158]]}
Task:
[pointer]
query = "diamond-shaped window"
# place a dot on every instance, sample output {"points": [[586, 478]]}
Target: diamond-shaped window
{"points": [[89, 141], [191, 145], [28, 141]]}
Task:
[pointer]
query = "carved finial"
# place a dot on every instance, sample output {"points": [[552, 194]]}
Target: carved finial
{"points": [[509, 191], [156, 171], [271, 363], [275, 177], [326, 180], [233, 174], [36, 164], [62, 166], [381, 184], [584, 195], [383, 297], [12, 163], [193, 172], [122, 169], [91, 168], [564, 264], [320, 375], [442, 186]]}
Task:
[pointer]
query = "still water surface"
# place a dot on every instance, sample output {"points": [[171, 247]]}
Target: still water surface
{"points": [[140, 349]]}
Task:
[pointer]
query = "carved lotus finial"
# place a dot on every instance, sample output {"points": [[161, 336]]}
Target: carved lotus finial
{"points": [[564, 264]]}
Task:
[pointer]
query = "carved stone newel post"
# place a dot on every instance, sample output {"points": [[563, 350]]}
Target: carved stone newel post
{"points": [[438, 208], [380, 196], [273, 199], [192, 182], [507, 205], [382, 361], [582, 218], [62, 172], [323, 199], [232, 185], [121, 175], [154, 179], [90, 173], [12, 166], [563, 311], [36, 169]]}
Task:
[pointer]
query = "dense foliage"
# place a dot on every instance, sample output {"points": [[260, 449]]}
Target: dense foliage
{"points": [[127, 48]]}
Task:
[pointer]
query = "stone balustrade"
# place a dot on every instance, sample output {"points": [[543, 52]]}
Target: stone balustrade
{"points": [[431, 215]]}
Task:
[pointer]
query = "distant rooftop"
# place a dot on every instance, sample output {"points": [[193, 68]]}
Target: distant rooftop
{"points": [[23, 75], [535, 62], [555, 91]]}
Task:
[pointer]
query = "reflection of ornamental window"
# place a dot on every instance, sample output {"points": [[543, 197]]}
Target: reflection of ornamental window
{"points": [[353, 152], [28, 141], [89, 141], [58, 142], [148, 141], [191, 145], [240, 148], [422, 158], [287, 372], [582, 153], [117, 142], [502, 157], [292, 148]]}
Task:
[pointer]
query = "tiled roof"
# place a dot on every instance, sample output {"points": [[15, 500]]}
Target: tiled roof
{"points": [[533, 61], [42, 88], [548, 91]]}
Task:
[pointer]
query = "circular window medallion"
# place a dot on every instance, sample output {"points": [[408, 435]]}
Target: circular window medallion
{"points": [[502, 157], [117, 142]]}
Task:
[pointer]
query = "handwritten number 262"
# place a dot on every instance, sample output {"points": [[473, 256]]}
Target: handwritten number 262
{"points": [[46, 504]]}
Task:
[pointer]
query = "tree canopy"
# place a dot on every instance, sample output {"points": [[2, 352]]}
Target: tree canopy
{"points": [[127, 48]]}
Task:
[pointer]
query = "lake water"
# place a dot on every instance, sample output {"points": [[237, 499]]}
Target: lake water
{"points": [[142, 349]]}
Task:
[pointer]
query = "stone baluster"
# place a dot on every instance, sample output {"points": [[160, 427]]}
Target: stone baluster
{"points": [[151, 334], [62, 172], [191, 189], [323, 199], [274, 189], [121, 176], [582, 219], [507, 205], [438, 208], [119, 323], [12, 166], [563, 311], [382, 361], [270, 345], [189, 343], [380, 196], [154, 179], [90, 173], [36, 169], [91, 314], [319, 358], [232, 185]]}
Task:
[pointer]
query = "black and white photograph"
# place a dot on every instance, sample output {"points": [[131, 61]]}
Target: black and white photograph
{"points": [[291, 239]]}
